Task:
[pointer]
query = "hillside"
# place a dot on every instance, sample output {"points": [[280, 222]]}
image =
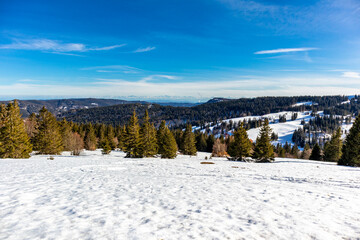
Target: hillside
{"points": [[211, 111], [112, 197], [58, 106]]}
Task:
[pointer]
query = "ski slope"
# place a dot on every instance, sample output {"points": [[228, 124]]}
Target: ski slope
{"points": [[110, 197]]}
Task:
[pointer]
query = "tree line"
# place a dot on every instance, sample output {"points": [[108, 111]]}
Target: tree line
{"points": [[44, 134]]}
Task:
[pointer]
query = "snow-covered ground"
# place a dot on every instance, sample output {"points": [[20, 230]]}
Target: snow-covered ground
{"points": [[110, 197]]}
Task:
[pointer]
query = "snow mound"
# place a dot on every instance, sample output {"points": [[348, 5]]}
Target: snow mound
{"points": [[111, 197]]}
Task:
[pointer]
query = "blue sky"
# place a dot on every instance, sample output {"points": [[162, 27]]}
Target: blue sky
{"points": [[179, 50]]}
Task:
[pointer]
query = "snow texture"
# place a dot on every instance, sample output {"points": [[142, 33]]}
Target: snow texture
{"points": [[111, 197]]}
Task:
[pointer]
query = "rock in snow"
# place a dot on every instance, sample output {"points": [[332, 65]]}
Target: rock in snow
{"points": [[111, 197]]}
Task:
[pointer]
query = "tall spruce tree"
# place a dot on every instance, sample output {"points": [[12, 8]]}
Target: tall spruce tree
{"points": [[90, 138], [316, 152], [264, 151], [241, 146], [48, 138], [160, 136], [132, 146], [66, 135], [201, 144], [148, 142], [332, 149], [169, 146], [14, 141], [351, 148], [189, 147]]}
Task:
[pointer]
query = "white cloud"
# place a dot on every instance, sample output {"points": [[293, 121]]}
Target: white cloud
{"points": [[53, 46], [147, 49], [158, 76], [114, 68], [351, 75], [285, 50]]}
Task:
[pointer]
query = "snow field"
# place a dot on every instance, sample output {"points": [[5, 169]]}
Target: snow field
{"points": [[111, 197]]}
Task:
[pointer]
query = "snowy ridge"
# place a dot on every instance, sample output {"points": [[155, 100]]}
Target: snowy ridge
{"points": [[110, 197]]}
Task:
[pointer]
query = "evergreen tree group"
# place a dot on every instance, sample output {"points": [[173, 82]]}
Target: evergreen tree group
{"points": [[263, 151], [351, 148]]}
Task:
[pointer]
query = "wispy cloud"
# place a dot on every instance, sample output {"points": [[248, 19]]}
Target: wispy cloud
{"points": [[351, 75], [147, 49], [53, 46], [114, 68], [285, 50], [158, 77]]}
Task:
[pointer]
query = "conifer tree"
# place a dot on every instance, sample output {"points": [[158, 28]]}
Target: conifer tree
{"points": [[160, 136], [189, 147], [169, 146], [66, 135], [48, 138], [332, 149], [306, 152], [148, 142], [294, 151], [351, 148], [110, 136], [132, 138], [14, 141], [90, 141], [210, 143], [241, 146], [106, 147], [264, 151], [201, 144], [316, 152], [101, 135]]}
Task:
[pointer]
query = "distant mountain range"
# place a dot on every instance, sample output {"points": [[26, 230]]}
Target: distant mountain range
{"points": [[114, 111], [60, 106]]}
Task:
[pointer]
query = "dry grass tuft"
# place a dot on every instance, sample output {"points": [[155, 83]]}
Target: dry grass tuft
{"points": [[207, 163]]}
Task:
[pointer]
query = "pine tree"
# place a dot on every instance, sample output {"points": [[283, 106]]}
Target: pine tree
{"points": [[201, 144], [110, 136], [315, 153], [66, 135], [294, 151], [210, 143], [264, 151], [148, 142], [90, 138], [305, 154], [101, 135], [14, 141], [351, 148], [106, 147], [332, 149], [160, 136], [169, 147], [189, 147], [48, 139], [132, 138], [241, 146]]}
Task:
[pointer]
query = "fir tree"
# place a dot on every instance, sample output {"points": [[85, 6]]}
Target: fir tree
{"points": [[332, 149], [305, 154], [351, 148], [148, 142], [189, 147], [48, 139], [132, 138], [210, 143], [160, 136], [169, 147], [110, 136], [106, 147], [66, 135], [241, 146], [90, 138], [201, 144], [315, 153], [14, 142], [264, 151]]}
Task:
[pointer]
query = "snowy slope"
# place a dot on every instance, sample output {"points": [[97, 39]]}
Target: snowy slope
{"points": [[109, 197]]}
